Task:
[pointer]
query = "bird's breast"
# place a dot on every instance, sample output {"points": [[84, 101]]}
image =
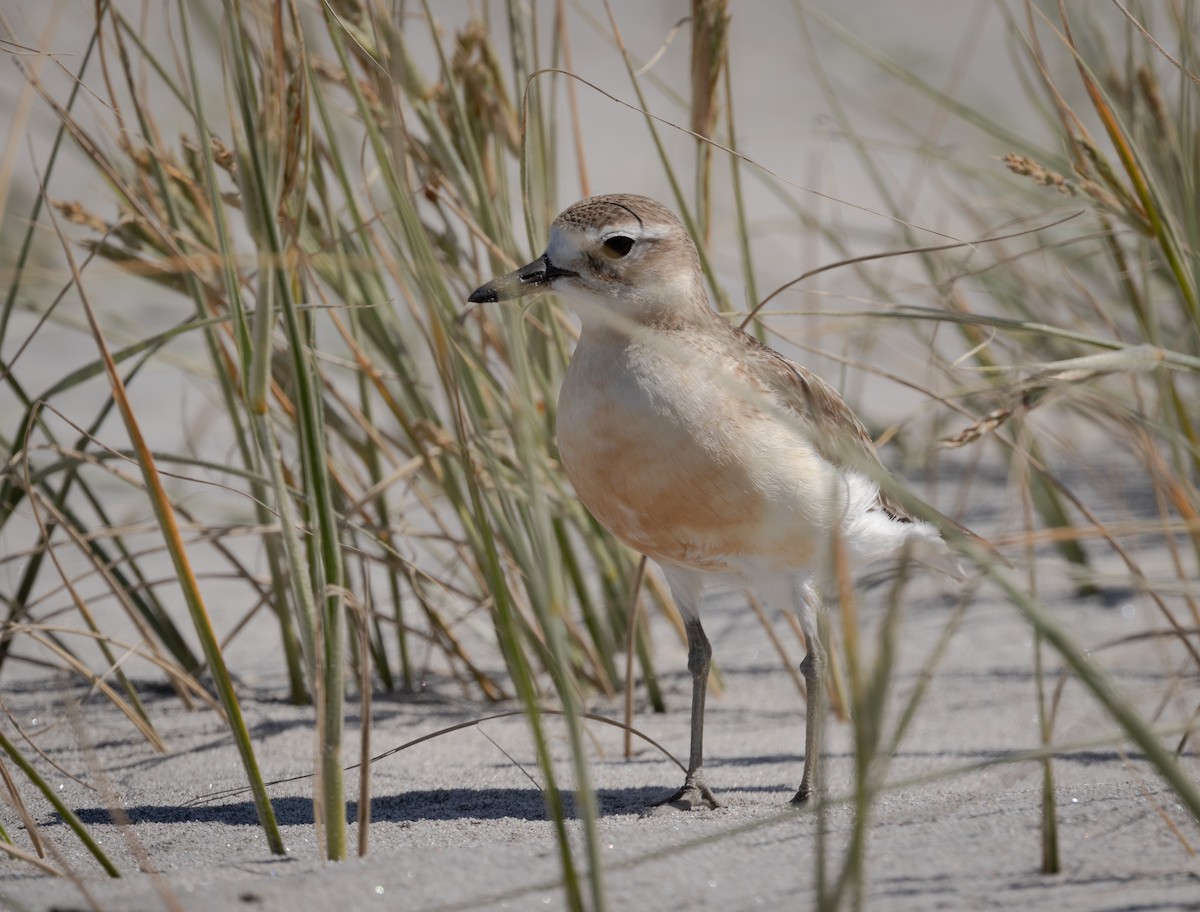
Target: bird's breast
{"points": [[686, 471]]}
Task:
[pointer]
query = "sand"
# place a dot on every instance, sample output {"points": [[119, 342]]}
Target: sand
{"points": [[459, 823]]}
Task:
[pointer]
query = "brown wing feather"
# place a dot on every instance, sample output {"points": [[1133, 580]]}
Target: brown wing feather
{"points": [[834, 429]]}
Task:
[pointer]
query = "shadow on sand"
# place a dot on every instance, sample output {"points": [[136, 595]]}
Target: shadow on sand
{"points": [[414, 806]]}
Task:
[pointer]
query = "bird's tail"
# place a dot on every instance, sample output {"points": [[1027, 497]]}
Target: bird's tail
{"points": [[930, 549]]}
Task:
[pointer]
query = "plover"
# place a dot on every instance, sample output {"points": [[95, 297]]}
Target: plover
{"points": [[702, 448]]}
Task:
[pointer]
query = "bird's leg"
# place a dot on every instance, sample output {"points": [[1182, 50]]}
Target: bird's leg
{"points": [[694, 792], [813, 669]]}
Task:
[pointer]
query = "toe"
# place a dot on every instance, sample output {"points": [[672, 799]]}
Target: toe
{"points": [[693, 795]]}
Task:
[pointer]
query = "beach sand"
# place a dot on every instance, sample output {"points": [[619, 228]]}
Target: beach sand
{"points": [[459, 823]]}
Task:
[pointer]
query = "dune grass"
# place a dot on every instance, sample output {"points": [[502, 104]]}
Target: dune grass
{"points": [[312, 222]]}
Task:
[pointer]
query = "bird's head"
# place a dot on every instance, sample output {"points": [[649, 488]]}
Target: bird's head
{"points": [[618, 256]]}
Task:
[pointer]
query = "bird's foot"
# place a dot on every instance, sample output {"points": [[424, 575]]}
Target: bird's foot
{"points": [[801, 797], [694, 794]]}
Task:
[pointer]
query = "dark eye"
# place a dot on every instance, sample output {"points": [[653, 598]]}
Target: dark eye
{"points": [[618, 245]]}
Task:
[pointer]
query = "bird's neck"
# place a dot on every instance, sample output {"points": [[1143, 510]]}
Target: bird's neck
{"points": [[667, 310]]}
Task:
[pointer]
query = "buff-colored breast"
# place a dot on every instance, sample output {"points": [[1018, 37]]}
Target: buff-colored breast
{"points": [[685, 471]]}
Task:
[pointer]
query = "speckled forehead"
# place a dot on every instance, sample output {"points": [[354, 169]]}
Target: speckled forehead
{"points": [[607, 212]]}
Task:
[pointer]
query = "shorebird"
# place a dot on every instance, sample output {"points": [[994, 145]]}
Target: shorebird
{"points": [[702, 448]]}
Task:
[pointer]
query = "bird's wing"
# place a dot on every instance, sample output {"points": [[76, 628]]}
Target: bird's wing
{"points": [[831, 426], [822, 414]]}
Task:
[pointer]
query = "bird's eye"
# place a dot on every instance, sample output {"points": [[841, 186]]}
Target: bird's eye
{"points": [[618, 246]]}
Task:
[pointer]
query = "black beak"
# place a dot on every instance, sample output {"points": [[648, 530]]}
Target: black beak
{"points": [[537, 276]]}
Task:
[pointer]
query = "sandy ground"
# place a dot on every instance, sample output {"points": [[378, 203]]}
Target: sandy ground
{"points": [[457, 822]]}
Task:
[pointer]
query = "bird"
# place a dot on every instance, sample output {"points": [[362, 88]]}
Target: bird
{"points": [[704, 449]]}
